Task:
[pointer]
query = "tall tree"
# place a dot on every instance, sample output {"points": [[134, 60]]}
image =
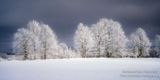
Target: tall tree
{"points": [[49, 43], [83, 39], [34, 28], [110, 38], [140, 43]]}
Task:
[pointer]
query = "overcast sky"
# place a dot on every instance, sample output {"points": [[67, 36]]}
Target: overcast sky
{"points": [[64, 16]]}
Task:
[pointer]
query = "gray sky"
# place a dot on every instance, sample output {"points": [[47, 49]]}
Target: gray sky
{"points": [[64, 15]]}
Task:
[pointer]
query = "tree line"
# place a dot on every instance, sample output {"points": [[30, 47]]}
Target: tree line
{"points": [[106, 38]]}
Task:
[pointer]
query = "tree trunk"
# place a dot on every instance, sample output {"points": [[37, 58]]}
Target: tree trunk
{"points": [[140, 53], [45, 56]]}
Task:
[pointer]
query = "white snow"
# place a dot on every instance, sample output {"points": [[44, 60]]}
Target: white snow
{"points": [[82, 69]]}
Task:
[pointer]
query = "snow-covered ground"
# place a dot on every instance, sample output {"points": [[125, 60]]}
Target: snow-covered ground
{"points": [[81, 69]]}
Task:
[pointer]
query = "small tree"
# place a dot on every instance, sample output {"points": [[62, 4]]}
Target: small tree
{"points": [[140, 43]]}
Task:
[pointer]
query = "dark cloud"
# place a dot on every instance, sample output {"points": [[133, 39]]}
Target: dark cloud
{"points": [[64, 15]]}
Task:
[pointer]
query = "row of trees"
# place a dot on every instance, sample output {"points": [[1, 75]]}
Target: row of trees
{"points": [[106, 38], [38, 41]]}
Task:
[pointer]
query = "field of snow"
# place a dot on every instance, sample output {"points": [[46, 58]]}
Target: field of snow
{"points": [[81, 69]]}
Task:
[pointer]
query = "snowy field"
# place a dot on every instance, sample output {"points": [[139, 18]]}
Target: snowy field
{"points": [[81, 69]]}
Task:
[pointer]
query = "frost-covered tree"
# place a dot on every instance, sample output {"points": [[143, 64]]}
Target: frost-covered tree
{"points": [[49, 43], [110, 38], [83, 39], [63, 48], [44, 41], [30, 35], [140, 43], [157, 45], [66, 52], [21, 43], [71, 53], [34, 28]]}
